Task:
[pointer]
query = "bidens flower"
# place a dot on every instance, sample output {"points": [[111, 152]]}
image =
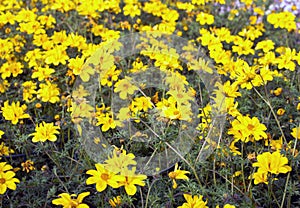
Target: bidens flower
{"points": [[71, 201], [125, 87], [296, 132], [269, 163], [193, 202], [45, 131], [178, 174], [102, 177], [131, 179], [7, 179], [14, 112], [247, 129]]}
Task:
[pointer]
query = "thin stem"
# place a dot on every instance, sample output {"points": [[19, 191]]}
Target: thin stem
{"points": [[288, 176], [242, 167], [147, 197], [273, 112]]}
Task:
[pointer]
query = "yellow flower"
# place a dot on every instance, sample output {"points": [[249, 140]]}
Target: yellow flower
{"points": [[48, 21], [81, 110], [86, 72], [231, 89], [5, 167], [180, 96], [247, 129], [71, 201], [285, 60], [265, 45], [110, 76], [45, 131], [119, 161], [234, 149], [107, 122], [48, 92], [273, 163], [116, 201], [28, 166], [141, 104], [11, 68], [14, 112], [123, 115], [283, 20], [7, 180], [4, 150], [277, 91], [226, 206], [132, 10], [56, 55], [212, 42], [125, 87], [296, 132], [243, 47], [205, 18], [178, 174], [76, 64], [3, 86], [185, 6], [103, 177], [42, 73], [29, 88], [260, 177], [193, 202], [280, 111], [131, 179]]}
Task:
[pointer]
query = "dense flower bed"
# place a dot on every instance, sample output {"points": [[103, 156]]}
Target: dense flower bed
{"points": [[109, 103]]}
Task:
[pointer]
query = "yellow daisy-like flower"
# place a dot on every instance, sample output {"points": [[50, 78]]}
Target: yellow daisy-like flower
{"points": [[178, 174], [103, 177], [7, 180], [5, 167], [48, 92], [193, 202], [247, 129], [125, 87], [45, 131], [14, 112], [205, 18], [131, 179], [296, 132], [71, 201], [119, 161], [5, 150], [28, 166], [272, 162], [260, 177]]}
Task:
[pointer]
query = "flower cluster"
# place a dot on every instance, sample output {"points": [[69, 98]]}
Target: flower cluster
{"points": [[118, 170], [212, 85], [273, 163]]}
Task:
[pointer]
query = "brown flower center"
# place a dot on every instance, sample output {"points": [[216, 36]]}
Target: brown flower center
{"points": [[250, 127], [104, 176], [2, 180]]}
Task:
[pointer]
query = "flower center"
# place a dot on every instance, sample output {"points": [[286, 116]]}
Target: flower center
{"points": [[104, 176], [250, 127], [2, 180]]}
